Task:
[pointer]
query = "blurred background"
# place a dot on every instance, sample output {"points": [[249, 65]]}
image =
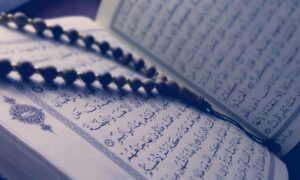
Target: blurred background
{"points": [[8, 5], [51, 8]]}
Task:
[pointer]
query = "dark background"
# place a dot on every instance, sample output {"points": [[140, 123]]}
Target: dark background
{"points": [[58, 8]]}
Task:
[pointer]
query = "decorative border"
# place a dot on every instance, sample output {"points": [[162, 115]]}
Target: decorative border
{"points": [[290, 120], [99, 146], [91, 140], [202, 91]]}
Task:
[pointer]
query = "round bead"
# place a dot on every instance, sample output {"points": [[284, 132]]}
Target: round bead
{"points": [[20, 19], [5, 67], [162, 87], [151, 71], [105, 79], [25, 69], [139, 64], [104, 47], [57, 31], [73, 35], [88, 40], [127, 59], [162, 77], [120, 81], [3, 18], [117, 53], [39, 25], [148, 85], [135, 84], [88, 77], [69, 76], [48, 73]]}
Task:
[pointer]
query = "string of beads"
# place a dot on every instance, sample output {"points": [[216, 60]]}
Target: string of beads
{"points": [[154, 82]]}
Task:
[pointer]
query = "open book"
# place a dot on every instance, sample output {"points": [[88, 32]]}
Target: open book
{"points": [[242, 56]]}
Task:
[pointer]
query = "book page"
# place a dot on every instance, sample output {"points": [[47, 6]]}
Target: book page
{"points": [[241, 55], [93, 133]]}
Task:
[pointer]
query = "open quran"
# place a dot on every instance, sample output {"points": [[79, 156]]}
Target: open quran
{"points": [[242, 56]]}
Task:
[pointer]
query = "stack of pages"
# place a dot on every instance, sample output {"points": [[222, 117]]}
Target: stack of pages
{"points": [[242, 56]]}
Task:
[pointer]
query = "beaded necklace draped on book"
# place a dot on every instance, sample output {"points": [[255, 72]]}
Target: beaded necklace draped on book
{"points": [[155, 82]]}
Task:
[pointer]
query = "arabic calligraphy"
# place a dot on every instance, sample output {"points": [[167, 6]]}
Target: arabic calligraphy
{"points": [[238, 52]]}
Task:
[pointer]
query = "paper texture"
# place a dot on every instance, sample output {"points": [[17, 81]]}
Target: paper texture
{"points": [[243, 56], [113, 134]]}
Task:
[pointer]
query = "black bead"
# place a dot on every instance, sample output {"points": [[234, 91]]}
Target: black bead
{"points": [[104, 47], [162, 87], [151, 71], [120, 81], [148, 85], [73, 35], [88, 77], [69, 76], [3, 18], [162, 77], [5, 67], [139, 64], [127, 59], [117, 53], [135, 84], [25, 69], [88, 40], [39, 25], [20, 19], [105, 79], [57, 31], [48, 73]]}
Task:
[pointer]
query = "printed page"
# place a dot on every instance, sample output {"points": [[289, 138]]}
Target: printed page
{"points": [[241, 55], [93, 133]]}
